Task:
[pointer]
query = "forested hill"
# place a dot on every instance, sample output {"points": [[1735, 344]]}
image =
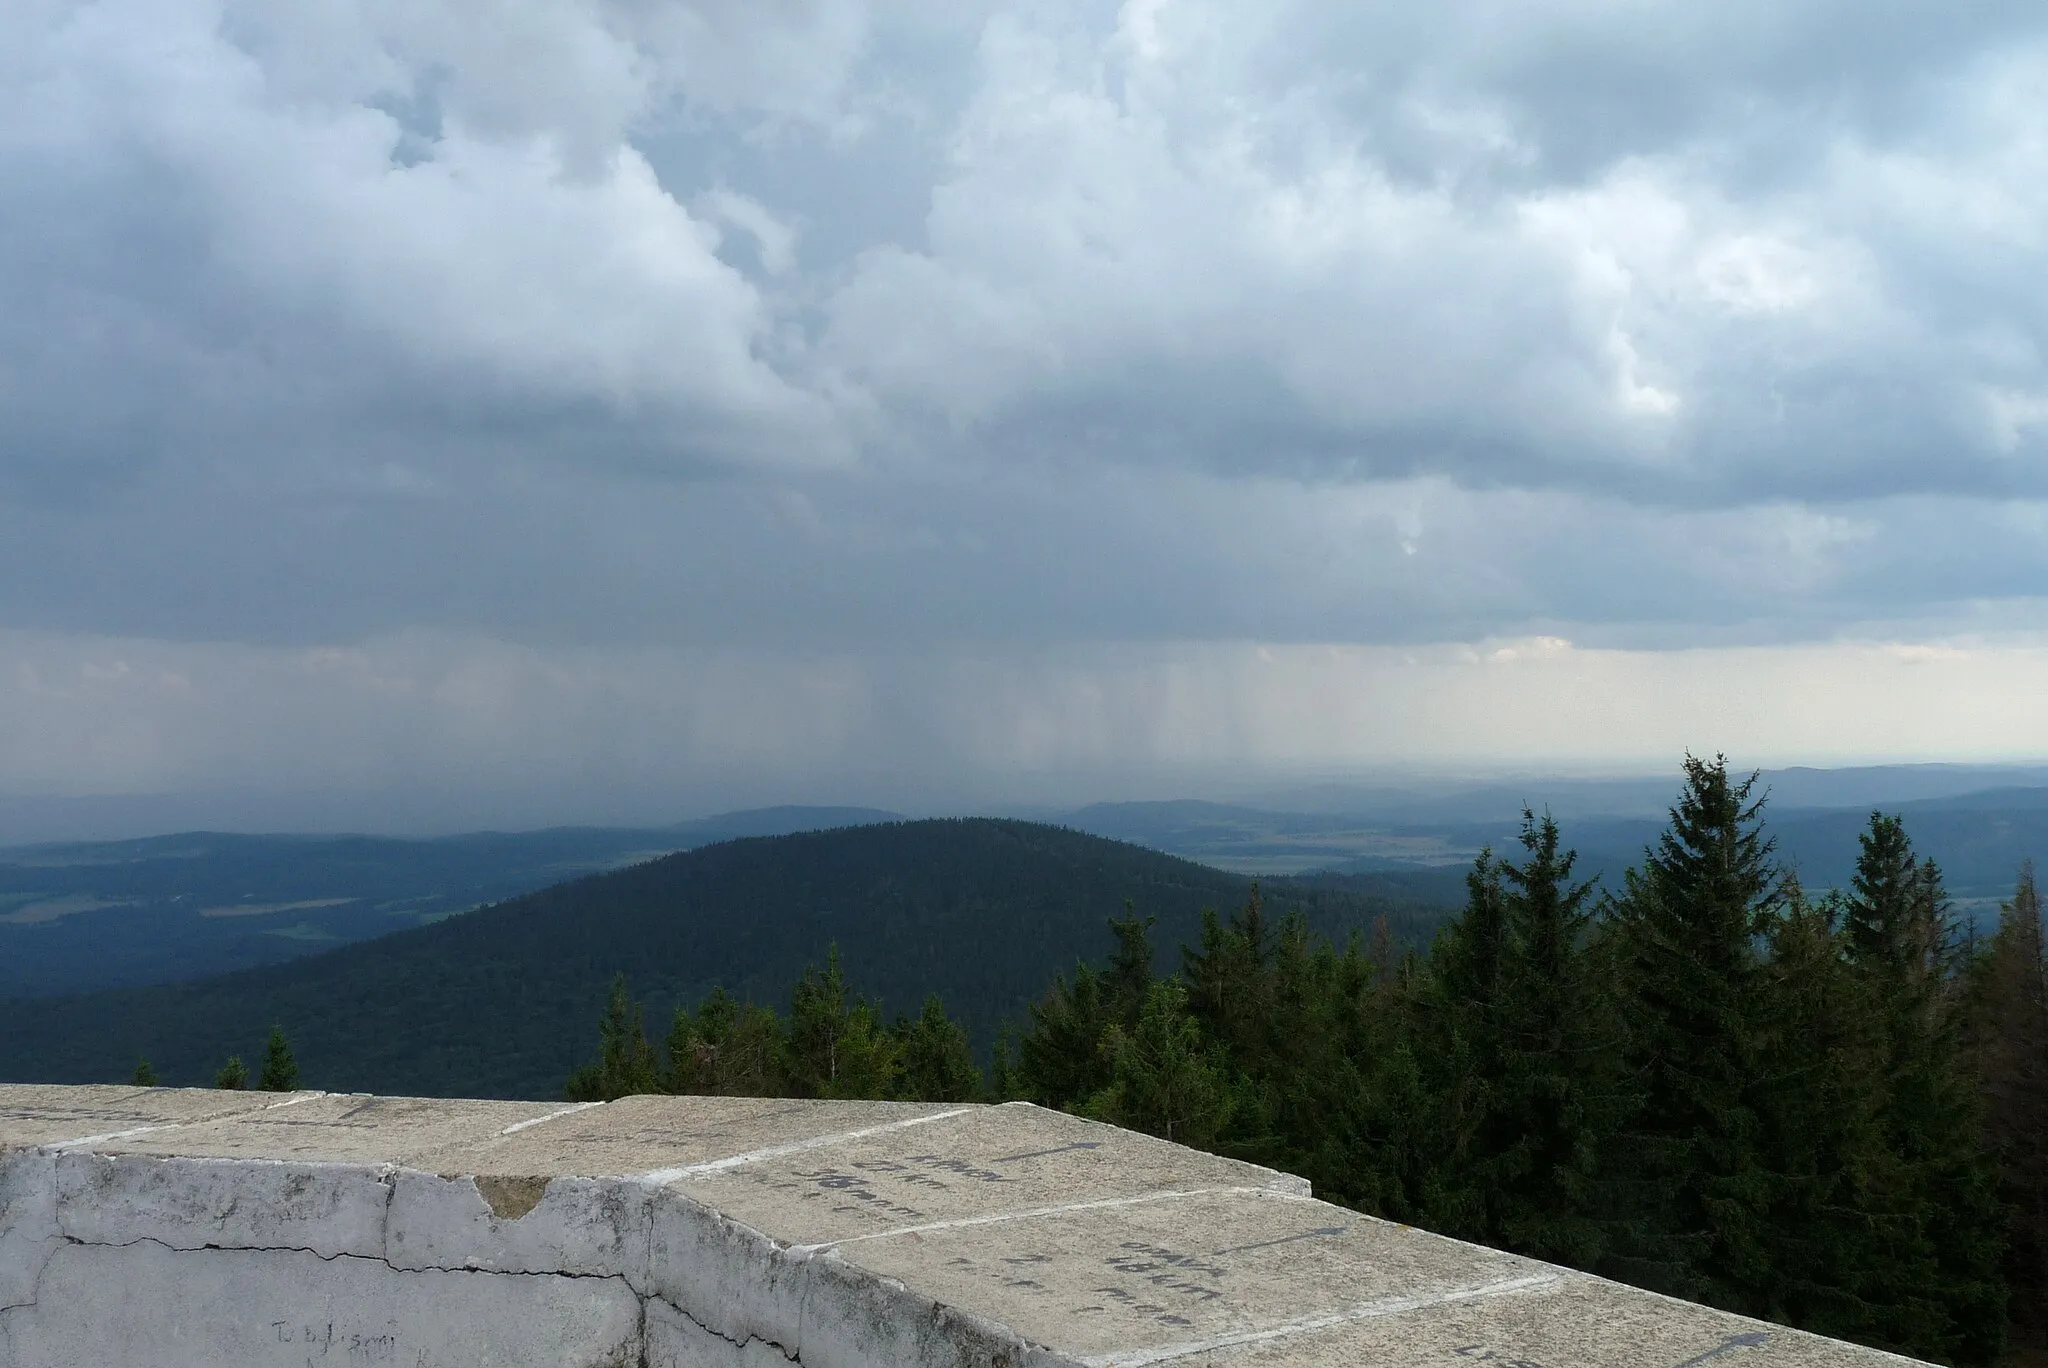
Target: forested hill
{"points": [[81, 916], [499, 1002]]}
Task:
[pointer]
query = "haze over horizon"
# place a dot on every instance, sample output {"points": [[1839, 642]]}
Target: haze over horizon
{"points": [[497, 412]]}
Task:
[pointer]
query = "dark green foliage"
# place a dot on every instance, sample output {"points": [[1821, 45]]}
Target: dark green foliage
{"points": [[1549, 1041], [1005, 1084], [1817, 1099], [1060, 1060], [1691, 982], [828, 1047], [1164, 1079], [1713, 1085], [1129, 976], [1317, 1047], [280, 1071], [625, 1061], [233, 1075], [144, 1076], [836, 1048], [725, 1048], [1819, 1110], [2011, 1051], [1933, 1185], [154, 928], [496, 1002], [935, 1062]]}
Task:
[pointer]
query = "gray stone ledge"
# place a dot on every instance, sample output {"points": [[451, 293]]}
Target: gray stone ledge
{"points": [[157, 1226]]}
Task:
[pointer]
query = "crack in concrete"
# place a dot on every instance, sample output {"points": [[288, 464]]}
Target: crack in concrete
{"points": [[791, 1355], [51, 1245], [341, 1254], [58, 1241]]}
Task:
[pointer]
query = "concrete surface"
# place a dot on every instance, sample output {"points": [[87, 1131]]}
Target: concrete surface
{"points": [[156, 1226]]}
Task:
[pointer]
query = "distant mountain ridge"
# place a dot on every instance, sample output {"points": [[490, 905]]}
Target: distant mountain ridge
{"points": [[1978, 839], [502, 1001], [87, 915], [79, 917]]}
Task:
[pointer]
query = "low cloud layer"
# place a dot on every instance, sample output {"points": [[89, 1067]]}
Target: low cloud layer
{"points": [[626, 342]]}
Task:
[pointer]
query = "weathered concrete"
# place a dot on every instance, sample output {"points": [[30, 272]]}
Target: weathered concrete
{"points": [[143, 1227]]}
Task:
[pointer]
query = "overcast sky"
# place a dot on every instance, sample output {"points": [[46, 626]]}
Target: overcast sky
{"points": [[522, 410]]}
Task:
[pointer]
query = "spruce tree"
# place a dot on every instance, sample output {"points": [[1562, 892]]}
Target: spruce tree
{"points": [[1932, 1186], [1460, 1061], [1060, 1057], [695, 1047], [726, 1048], [1004, 1082], [751, 1055], [1691, 1218], [1229, 985], [1831, 1245], [936, 1061], [1128, 976], [280, 1071], [1164, 1079], [233, 1075], [1359, 1109], [836, 1048], [144, 1076], [1551, 1098], [625, 1064], [2012, 1066], [1466, 964]]}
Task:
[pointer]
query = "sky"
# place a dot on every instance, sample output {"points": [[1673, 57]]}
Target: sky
{"points": [[424, 412]]}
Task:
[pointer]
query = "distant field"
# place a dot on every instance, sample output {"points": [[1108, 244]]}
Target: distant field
{"points": [[34, 910]]}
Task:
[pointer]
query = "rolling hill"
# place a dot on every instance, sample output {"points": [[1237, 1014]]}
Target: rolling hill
{"points": [[502, 1001], [81, 916]]}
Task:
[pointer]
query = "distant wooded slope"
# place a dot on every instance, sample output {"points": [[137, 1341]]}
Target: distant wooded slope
{"points": [[81, 916], [500, 1002]]}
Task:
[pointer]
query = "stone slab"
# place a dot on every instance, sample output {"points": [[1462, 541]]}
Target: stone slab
{"points": [[109, 1308], [328, 1209], [638, 1134], [972, 1164], [33, 1114], [173, 1227], [339, 1128], [1574, 1322], [1113, 1277]]}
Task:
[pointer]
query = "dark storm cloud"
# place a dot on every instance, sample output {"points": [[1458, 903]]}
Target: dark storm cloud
{"points": [[589, 325]]}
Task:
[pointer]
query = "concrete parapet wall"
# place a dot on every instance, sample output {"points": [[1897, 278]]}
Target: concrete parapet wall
{"points": [[143, 1227]]}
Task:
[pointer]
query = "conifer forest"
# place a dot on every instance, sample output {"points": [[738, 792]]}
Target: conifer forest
{"points": [[1826, 1109]]}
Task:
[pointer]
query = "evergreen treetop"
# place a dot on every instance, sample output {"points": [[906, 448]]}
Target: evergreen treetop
{"points": [[280, 1071], [1693, 999]]}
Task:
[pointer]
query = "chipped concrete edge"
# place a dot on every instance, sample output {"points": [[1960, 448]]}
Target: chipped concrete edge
{"points": [[730, 1281]]}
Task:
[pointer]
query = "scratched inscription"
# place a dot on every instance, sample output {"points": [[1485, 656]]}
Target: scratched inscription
{"points": [[945, 1163], [888, 1192], [1173, 1281], [324, 1342], [902, 1173], [851, 1192]]}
